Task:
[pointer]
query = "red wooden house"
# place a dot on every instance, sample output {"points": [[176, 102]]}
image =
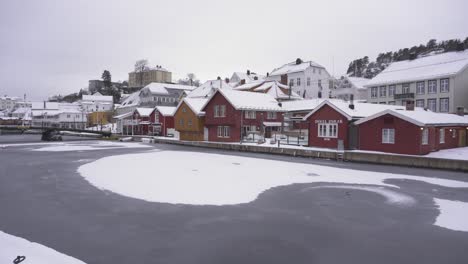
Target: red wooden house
{"points": [[230, 114], [412, 132], [163, 120]]}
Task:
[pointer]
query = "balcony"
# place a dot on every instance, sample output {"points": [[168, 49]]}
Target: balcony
{"points": [[403, 96]]}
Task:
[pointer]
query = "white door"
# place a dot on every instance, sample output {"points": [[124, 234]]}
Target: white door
{"points": [[205, 134]]}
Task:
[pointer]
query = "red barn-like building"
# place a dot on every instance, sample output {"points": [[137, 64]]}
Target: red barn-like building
{"points": [[163, 117]]}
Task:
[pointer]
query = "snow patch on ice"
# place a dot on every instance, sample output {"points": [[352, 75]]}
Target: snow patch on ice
{"points": [[213, 179], [100, 145], [392, 197], [453, 215], [454, 153], [11, 247]]}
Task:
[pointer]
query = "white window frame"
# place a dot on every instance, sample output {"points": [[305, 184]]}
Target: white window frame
{"points": [[308, 81], [250, 115], [419, 105], [444, 105], [431, 86], [442, 136], [383, 91], [391, 90], [223, 132], [222, 110], [374, 92], [420, 87], [271, 115], [298, 81], [444, 85], [425, 136], [327, 130], [405, 88], [388, 136], [429, 101]]}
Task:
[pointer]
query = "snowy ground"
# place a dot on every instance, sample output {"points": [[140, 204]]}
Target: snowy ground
{"points": [[180, 177], [81, 146], [12, 246], [455, 153]]}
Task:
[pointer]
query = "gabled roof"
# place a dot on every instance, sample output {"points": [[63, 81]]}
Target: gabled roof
{"points": [[248, 77], [162, 88], [421, 118], [208, 88], [131, 100], [361, 110], [241, 100], [166, 110], [292, 67], [275, 89], [302, 105], [145, 112], [359, 83], [195, 104], [249, 86], [434, 66]]}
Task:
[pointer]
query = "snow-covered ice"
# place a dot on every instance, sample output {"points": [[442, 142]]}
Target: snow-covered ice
{"points": [[98, 145], [392, 196], [453, 214], [12, 246]]}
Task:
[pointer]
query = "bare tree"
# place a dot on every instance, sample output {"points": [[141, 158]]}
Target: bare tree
{"points": [[140, 67], [191, 77]]}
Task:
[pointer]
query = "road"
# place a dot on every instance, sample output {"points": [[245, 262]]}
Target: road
{"points": [[45, 200]]}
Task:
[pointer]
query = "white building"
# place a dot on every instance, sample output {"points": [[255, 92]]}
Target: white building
{"points": [[240, 78], [437, 82], [307, 78], [60, 115], [97, 103], [8, 103], [347, 87]]}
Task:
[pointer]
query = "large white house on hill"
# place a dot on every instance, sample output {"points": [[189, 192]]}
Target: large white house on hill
{"points": [[438, 82]]}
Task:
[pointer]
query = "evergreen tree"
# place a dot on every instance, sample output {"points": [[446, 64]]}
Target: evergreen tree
{"points": [[107, 79]]}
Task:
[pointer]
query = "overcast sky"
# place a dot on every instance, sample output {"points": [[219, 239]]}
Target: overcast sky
{"points": [[54, 47]]}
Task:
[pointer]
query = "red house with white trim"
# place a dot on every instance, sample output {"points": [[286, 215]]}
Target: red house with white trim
{"points": [[229, 113], [412, 132], [163, 117]]}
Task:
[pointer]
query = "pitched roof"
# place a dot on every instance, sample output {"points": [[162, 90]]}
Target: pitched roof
{"points": [[248, 77], [99, 97], [359, 83], [166, 110], [434, 66], [195, 104], [208, 88], [360, 110], [275, 89], [162, 88], [293, 67], [145, 112], [241, 100], [422, 118]]}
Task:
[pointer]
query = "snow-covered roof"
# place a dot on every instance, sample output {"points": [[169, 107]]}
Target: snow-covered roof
{"points": [[248, 77], [48, 105], [144, 111], [241, 100], [302, 105], [422, 118], [13, 98], [435, 66], [275, 89], [22, 110], [95, 97], [293, 67], [249, 86], [162, 88], [166, 110], [131, 100], [208, 88], [359, 83], [360, 110], [123, 115], [196, 104]]}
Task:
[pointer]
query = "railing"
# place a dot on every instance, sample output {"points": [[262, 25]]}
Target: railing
{"points": [[403, 96]]}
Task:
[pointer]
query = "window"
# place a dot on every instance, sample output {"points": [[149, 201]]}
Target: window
{"points": [[382, 103], [374, 92], [383, 91], [320, 71], [432, 104], [432, 86], [220, 111], [184, 109], [189, 123], [388, 136], [405, 88], [320, 83], [425, 136], [68, 116], [181, 121], [420, 88], [271, 115], [454, 133], [328, 130], [391, 103], [444, 85], [444, 105], [308, 81], [291, 82], [420, 103], [298, 81], [223, 132], [441, 136], [391, 90], [250, 114]]}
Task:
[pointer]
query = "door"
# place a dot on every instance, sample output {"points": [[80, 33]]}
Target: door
{"points": [[205, 134], [462, 138]]}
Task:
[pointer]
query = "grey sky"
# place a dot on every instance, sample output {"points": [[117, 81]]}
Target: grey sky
{"points": [[50, 47]]}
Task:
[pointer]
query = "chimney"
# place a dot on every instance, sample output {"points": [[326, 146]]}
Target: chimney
{"points": [[461, 111], [351, 102], [410, 105], [226, 80], [298, 61], [268, 74], [284, 79], [45, 105], [219, 78], [256, 78], [242, 82], [248, 72]]}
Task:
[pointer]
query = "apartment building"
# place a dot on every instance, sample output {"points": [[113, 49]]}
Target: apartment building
{"points": [[306, 78], [436, 82]]}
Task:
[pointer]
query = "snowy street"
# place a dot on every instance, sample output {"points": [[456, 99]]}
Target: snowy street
{"points": [[123, 202]]}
